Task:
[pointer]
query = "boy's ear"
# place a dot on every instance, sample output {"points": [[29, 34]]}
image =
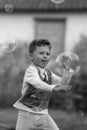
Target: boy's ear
{"points": [[31, 56]]}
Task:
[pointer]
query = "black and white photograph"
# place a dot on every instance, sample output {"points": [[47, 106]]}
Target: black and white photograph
{"points": [[43, 64]]}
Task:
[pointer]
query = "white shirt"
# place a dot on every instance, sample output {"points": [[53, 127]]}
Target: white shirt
{"points": [[31, 76]]}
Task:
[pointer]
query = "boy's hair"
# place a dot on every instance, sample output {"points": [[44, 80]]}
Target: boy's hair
{"points": [[37, 43]]}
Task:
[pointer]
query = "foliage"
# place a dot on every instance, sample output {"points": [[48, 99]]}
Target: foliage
{"points": [[79, 82], [76, 99], [12, 68]]}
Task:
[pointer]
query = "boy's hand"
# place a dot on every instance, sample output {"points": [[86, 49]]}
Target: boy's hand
{"points": [[66, 61], [63, 87]]}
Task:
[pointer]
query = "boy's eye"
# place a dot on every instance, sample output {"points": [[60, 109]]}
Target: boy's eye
{"points": [[41, 53], [47, 54]]}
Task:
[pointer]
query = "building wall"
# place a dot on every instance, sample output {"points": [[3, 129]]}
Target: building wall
{"points": [[22, 26], [54, 31], [76, 25], [18, 26]]}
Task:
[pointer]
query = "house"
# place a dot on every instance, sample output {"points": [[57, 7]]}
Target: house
{"points": [[61, 23]]}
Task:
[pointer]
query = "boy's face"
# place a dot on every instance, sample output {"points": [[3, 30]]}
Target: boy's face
{"points": [[41, 55]]}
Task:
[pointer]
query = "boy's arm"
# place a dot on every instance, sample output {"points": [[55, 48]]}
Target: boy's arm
{"points": [[62, 87], [32, 77], [55, 78], [65, 79], [62, 83]]}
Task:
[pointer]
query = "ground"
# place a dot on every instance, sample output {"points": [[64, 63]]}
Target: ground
{"points": [[65, 120]]}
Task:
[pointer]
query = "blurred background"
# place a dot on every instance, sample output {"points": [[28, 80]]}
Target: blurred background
{"points": [[65, 26]]}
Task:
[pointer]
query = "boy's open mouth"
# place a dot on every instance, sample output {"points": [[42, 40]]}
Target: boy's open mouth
{"points": [[44, 61]]}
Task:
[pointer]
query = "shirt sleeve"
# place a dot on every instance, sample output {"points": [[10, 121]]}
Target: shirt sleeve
{"points": [[56, 79], [63, 80], [32, 77]]}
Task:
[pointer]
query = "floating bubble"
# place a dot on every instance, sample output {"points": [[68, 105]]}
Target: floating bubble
{"points": [[67, 61], [8, 45], [57, 1]]}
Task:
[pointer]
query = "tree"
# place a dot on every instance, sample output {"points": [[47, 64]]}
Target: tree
{"points": [[79, 81]]}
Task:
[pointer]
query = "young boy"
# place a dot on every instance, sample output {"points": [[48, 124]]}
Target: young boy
{"points": [[38, 84]]}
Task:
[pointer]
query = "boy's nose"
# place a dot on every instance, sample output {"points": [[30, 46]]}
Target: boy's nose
{"points": [[45, 56]]}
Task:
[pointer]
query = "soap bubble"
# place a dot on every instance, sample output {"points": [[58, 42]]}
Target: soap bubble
{"points": [[67, 61], [8, 45], [57, 1]]}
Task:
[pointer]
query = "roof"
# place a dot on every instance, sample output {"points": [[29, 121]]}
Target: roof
{"points": [[44, 5]]}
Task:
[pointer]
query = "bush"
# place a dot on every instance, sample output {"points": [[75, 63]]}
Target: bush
{"points": [[79, 81], [76, 99], [12, 68]]}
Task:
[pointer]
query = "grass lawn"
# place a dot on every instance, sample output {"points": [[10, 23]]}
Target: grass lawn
{"points": [[65, 120]]}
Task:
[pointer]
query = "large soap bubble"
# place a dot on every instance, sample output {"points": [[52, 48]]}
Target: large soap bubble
{"points": [[68, 61]]}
